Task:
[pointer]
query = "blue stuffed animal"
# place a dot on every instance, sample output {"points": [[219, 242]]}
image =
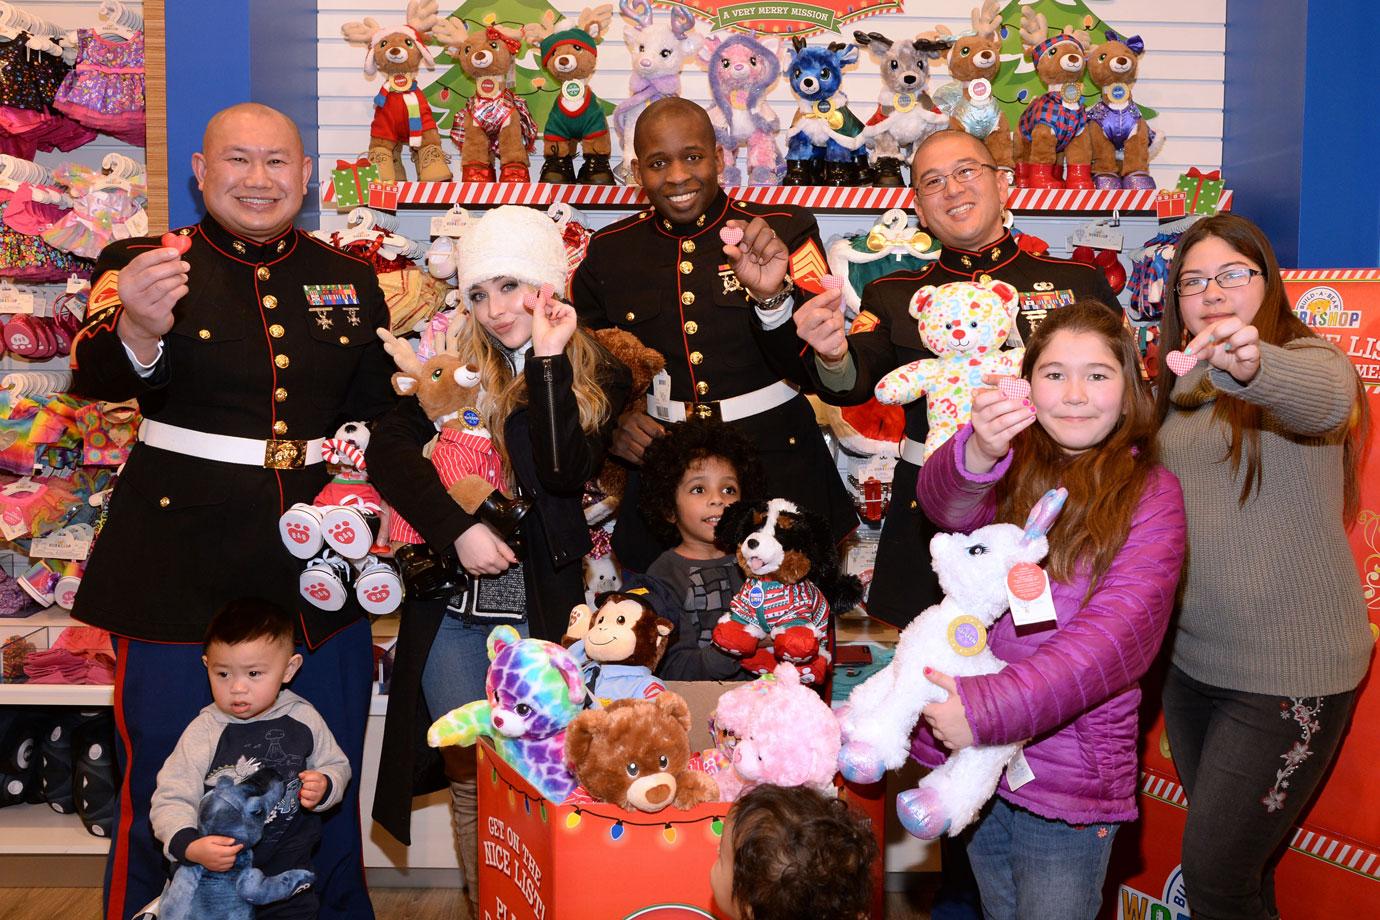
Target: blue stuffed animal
{"points": [[813, 157], [236, 810]]}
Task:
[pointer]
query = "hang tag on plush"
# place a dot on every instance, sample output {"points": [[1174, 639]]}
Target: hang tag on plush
{"points": [[1097, 235], [1027, 591], [659, 403], [1018, 771], [451, 224]]}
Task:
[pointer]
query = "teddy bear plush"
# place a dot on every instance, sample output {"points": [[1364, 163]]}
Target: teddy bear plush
{"points": [[569, 53], [342, 531], [402, 115], [1121, 137], [774, 730], [1052, 125], [974, 60], [618, 646], [636, 754], [644, 363], [950, 637], [495, 123], [449, 393], [742, 71], [964, 325], [532, 692], [793, 584], [238, 811]]}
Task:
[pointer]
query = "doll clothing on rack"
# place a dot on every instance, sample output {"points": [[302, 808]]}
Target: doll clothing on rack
{"points": [[102, 211], [33, 131], [29, 78], [105, 90], [25, 215], [107, 433], [30, 258]]}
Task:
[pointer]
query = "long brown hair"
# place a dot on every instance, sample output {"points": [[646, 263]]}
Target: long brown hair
{"points": [[1277, 325], [1105, 481], [505, 392]]}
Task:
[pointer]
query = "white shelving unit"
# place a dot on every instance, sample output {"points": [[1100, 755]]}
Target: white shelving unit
{"points": [[37, 830]]}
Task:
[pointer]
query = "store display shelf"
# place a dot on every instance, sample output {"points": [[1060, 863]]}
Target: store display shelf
{"points": [[1129, 202], [56, 695], [37, 830]]}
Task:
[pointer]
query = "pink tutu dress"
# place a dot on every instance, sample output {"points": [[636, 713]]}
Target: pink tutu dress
{"points": [[105, 90]]}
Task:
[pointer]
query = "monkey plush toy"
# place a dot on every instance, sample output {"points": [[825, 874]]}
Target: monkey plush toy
{"points": [[618, 646]]}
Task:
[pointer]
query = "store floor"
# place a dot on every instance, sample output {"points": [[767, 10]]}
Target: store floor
{"points": [[389, 903]]}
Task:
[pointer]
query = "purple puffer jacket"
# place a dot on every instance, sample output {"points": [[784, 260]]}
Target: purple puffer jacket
{"points": [[1072, 688]]}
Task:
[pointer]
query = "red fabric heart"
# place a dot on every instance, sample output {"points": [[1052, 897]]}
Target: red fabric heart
{"points": [[1179, 362], [1014, 387], [176, 241]]}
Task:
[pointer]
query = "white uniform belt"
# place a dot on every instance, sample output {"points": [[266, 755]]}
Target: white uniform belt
{"points": [[913, 451], [272, 454], [733, 408]]}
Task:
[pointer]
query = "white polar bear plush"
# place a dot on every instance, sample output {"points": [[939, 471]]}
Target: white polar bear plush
{"points": [[950, 637]]}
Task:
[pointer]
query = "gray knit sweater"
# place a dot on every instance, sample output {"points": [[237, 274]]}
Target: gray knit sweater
{"points": [[1271, 600]]}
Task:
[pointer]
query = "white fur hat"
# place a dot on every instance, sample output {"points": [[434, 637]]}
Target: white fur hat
{"points": [[512, 241]]}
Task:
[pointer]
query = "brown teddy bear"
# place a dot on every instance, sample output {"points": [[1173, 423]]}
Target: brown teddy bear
{"points": [[636, 755], [606, 489]]}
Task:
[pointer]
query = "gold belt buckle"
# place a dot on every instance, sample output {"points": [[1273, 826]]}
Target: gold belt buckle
{"points": [[285, 455], [706, 410]]}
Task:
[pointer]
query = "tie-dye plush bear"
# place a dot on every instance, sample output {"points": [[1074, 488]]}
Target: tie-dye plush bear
{"points": [[533, 691], [964, 325]]}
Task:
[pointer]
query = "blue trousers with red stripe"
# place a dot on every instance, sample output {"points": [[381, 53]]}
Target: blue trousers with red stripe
{"points": [[159, 689]]}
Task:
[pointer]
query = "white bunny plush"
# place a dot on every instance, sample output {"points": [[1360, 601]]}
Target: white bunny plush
{"points": [[950, 637]]}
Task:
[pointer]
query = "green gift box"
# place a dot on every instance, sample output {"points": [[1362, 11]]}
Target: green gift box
{"points": [[1202, 189], [351, 181]]}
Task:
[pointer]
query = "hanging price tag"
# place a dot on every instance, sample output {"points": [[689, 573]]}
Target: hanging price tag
{"points": [[1098, 234], [452, 223], [1027, 591]]}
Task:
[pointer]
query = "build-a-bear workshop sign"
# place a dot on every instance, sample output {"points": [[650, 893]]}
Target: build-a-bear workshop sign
{"points": [[786, 17]]}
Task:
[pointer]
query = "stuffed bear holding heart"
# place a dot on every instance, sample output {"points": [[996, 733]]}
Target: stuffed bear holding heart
{"points": [[964, 325]]}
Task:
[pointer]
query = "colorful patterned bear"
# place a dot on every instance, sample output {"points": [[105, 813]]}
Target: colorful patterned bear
{"points": [[964, 325], [533, 691]]}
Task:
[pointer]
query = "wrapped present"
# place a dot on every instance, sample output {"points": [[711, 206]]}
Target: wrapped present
{"points": [[1203, 190], [351, 182], [1169, 205], [383, 195]]}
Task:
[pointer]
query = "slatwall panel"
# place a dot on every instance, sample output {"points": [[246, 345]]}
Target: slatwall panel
{"points": [[1181, 73]]}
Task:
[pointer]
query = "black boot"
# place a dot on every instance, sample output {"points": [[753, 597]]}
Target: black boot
{"points": [[558, 170], [503, 514], [839, 174], [426, 574], [889, 173], [798, 172], [595, 170]]}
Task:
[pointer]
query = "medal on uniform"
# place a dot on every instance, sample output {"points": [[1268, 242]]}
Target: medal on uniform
{"points": [[352, 314], [323, 318], [730, 279]]}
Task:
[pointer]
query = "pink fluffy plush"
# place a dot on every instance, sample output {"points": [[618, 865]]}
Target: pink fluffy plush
{"points": [[786, 735]]}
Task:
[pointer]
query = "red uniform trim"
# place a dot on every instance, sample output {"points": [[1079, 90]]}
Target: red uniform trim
{"points": [[119, 870]]}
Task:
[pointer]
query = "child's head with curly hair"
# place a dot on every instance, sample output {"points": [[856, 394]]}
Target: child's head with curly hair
{"points": [[689, 475], [789, 852]]}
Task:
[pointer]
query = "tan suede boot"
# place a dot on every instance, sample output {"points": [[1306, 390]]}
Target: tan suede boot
{"points": [[382, 156], [464, 811], [432, 164]]}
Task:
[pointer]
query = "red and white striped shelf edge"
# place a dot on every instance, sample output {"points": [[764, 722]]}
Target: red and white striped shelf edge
{"points": [[1331, 274], [819, 198], [1349, 856]]}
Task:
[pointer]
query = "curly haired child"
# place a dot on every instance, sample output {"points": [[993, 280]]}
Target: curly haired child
{"points": [[689, 476], [789, 852]]}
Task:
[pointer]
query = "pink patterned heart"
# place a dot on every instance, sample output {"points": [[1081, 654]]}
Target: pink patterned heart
{"points": [[547, 290], [531, 300], [731, 236], [1014, 387], [831, 283], [1179, 362]]}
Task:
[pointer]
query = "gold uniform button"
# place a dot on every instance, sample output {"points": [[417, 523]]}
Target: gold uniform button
{"points": [[985, 278], [914, 504], [630, 316], [263, 273], [692, 327], [280, 427], [344, 340], [270, 301], [688, 246], [696, 358], [282, 361], [204, 334], [686, 268], [791, 440], [164, 502], [238, 247], [282, 244], [702, 388], [276, 331], [687, 298], [280, 395]]}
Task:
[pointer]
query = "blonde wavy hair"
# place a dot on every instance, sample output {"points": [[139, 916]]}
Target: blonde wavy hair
{"points": [[506, 392]]}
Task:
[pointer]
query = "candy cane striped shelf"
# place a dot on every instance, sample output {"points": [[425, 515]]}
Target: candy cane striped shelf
{"points": [[1349, 856], [817, 198]]}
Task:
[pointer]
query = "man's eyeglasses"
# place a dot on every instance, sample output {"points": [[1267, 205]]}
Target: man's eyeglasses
{"points": [[1231, 278], [933, 185]]}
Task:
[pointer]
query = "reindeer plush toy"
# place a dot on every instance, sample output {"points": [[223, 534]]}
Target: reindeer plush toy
{"points": [[974, 60], [495, 122], [402, 115], [1122, 139], [1052, 126], [905, 113], [659, 51], [569, 52], [950, 637]]}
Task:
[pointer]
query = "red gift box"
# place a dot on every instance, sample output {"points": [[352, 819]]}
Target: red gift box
{"points": [[1169, 204], [383, 195]]}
